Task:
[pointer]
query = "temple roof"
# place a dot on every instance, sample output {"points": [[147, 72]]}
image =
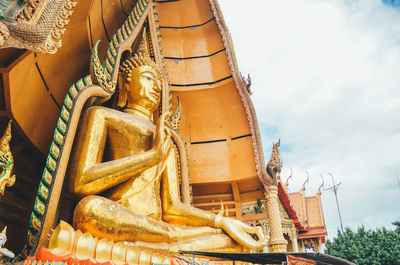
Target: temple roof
{"points": [[306, 212], [218, 122]]}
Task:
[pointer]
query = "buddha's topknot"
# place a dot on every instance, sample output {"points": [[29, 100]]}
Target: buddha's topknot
{"points": [[140, 58]]}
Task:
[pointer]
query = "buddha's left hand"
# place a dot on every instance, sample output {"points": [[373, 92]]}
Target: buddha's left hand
{"points": [[241, 232]]}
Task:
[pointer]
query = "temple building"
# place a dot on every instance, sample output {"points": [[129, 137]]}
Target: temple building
{"points": [[197, 136], [308, 218]]}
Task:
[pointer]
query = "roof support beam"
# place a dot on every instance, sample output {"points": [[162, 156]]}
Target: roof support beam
{"points": [[236, 197]]}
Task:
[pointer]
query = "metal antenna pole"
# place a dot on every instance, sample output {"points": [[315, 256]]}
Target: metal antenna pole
{"points": [[334, 189]]}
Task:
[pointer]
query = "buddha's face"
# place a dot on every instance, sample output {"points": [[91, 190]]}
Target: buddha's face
{"points": [[144, 88]]}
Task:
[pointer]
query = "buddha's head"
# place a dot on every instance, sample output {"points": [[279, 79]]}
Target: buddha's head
{"points": [[141, 86]]}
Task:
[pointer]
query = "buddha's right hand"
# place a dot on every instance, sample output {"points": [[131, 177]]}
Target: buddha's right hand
{"points": [[162, 135], [241, 232]]}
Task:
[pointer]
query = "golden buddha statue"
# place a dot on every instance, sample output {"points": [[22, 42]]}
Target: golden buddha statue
{"points": [[125, 169]]}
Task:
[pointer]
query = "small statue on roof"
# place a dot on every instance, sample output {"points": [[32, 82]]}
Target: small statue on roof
{"points": [[247, 83]]}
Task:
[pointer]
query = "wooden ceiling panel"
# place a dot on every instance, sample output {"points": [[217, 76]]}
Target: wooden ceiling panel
{"points": [[9, 55], [250, 185], [212, 114], [251, 196], [213, 189]]}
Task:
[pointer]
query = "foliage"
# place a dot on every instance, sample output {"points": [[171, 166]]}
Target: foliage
{"points": [[259, 208], [397, 224], [367, 247]]}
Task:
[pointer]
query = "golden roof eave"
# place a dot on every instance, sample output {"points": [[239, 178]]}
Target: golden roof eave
{"points": [[244, 95]]}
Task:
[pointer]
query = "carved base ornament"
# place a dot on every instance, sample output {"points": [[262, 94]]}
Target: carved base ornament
{"points": [[67, 244]]}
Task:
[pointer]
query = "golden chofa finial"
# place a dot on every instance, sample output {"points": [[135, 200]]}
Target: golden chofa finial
{"points": [[303, 188], [287, 180], [321, 186]]}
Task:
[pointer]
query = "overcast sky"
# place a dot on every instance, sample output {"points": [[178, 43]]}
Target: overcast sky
{"points": [[326, 78]]}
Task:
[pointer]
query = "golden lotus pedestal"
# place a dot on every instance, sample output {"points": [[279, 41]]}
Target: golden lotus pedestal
{"points": [[74, 247]]}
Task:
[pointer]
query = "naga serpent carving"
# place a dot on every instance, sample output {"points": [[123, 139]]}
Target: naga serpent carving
{"points": [[274, 165], [36, 25]]}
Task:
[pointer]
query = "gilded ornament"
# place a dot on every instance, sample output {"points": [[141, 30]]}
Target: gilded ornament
{"points": [[4, 33], [98, 72], [6, 161], [175, 119]]}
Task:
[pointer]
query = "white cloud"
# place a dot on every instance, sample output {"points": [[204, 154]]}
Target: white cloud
{"points": [[325, 76]]}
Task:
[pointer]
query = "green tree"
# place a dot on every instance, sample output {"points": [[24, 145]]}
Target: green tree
{"points": [[367, 247], [397, 224]]}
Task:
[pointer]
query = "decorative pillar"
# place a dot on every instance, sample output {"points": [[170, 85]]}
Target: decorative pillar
{"points": [[320, 246], [294, 239], [295, 245], [277, 242]]}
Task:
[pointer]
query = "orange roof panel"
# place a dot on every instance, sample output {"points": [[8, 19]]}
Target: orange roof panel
{"points": [[216, 111], [297, 198], [183, 13], [41, 108], [221, 161], [198, 70], [209, 162], [191, 42], [314, 212]]}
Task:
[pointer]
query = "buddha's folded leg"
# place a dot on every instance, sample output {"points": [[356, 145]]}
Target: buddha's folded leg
{"points": [[105, 218]]}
